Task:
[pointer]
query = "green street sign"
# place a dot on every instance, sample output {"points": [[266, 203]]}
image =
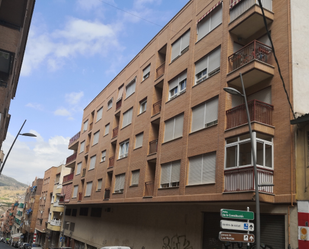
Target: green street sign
{"points": [[236, 214]]}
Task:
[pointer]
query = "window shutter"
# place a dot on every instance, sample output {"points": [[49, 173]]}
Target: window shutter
{"points": [[185, 40], [203, 28], [211, 110], [121, 181], [198, 117], [216, 17], [99, 184], [175, 171], [86, 125], [99, 114], [135, 177], [173, 83], [130, 89], [182, 76], [120, 92], [75, 191], [263, 95], [178, 126], [175, 49], [92, 162], [139, 140], [125, 119], [214, 59], [130, 116], [195, 170], [117, 183], [110, 104], [201, 65], [169, 127], [165, 173], [88, 188], [106, 129], [96, 138], [209, 168], [146, 70], [79, 167], [82, 146]]}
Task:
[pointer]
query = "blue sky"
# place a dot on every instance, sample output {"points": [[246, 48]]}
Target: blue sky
{"points": [[75, 48]]}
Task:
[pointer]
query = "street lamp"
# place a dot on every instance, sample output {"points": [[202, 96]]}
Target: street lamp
{"points": [[257, 197], [22, 134]]}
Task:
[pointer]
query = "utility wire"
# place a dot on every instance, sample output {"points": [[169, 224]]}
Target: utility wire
{"points": [[273, 48]]}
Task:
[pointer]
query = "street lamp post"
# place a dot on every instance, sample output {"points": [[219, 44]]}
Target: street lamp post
{"points": [[22, 134], [257, 197]]}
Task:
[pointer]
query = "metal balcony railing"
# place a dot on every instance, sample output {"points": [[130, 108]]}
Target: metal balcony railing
{"points": [[156, 107], [115, 131], [153, 146], [149, 188], [111, 162], [68, 177], [242, 179], [255, 50], [75, 138], [71, 158], [80, 196], [118, 104], [160, 70], [259, 111], [55, 223], [83, 172]]}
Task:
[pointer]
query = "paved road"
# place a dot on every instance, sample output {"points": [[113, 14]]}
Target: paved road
{"points": [[5, 246]]}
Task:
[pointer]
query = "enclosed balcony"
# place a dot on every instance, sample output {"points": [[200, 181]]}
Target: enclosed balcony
{"points": [[153, 146], [70, 162], [111, 162], [253, 61], [68, 177], [149, 189], [160, 70], [107, 194], [73, 144], [115, 132], [259, 112], [156, 107], [246, 17]]}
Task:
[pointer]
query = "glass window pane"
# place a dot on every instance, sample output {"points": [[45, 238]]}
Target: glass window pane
{"points": [[245, 154], [231, 140], [268, 156], [259, 154], [231, 157]]}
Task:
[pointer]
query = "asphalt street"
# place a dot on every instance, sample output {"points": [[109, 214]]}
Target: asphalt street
{"points": [[5, 246]]}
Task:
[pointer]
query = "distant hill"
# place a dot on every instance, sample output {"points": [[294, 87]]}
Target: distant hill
{"points": [[11, 182]]}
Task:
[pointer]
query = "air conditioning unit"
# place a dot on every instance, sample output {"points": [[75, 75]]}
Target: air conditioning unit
{"points": [[40, 198], [44, 198]]}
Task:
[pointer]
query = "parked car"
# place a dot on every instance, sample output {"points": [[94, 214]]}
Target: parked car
{"points": [[35, 246], [24, 245], [1, 239]]}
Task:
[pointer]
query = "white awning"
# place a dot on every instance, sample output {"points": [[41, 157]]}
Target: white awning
{"points": [[16, 235]]}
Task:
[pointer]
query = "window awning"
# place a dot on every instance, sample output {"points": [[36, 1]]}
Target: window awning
{"points": [[209, 11], [233, 3]]}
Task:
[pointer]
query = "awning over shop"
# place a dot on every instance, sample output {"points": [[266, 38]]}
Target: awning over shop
{"points": [[16, 235]]}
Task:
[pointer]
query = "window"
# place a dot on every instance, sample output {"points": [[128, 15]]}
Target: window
{"points": [[120, 93], [173, 128], [238, 151], [74, 212], [99, 185], [205, 115], [142, 105], [119, 183], [127, 118], [209, 22], [99, 114], [85, 125], [96, 138], [202, 169], [123, 149], [88, 189], [146, 72], [106, 129], [207, 66], [6, 60], [78, 169], [82, 147], [130, 88], [96, 212], [170, 173], [72, 226], [92, 162], [66, 225], [110, 103], [75, 191], [103, 156], [68, 211], [180, 46], [177, 85], [83, 211], [139, 140], [135, 177]]}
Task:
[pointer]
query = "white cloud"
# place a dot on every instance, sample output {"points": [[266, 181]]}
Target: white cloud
{"points": [[32, 157], [62, 112], [73, 98], [35, 106]]}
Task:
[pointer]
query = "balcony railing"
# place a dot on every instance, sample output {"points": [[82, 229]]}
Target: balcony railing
{"points": [[244, 5], [115, 131], [118, 104], [87, 148], [75, 138], [160, 70], [253, 51], [111, 162], [148, 188], [153, 146], [242, 179], [57, 204], [107, 194], [83, 172], [80, 196], [71, 158], [68, 177], [157, 107], [55, 223], [259, 111]]}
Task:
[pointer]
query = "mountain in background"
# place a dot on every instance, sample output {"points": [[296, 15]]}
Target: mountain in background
{"points": [[11, 182]]}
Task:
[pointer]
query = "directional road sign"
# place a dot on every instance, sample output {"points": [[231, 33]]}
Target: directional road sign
{"points": [[236, 237], [237, 225], [236, 214]]}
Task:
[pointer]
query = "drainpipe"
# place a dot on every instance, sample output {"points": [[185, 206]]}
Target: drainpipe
{"points": [[62, 232]]}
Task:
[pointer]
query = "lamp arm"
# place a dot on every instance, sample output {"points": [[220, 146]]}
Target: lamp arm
{"points": [[11, 147]]}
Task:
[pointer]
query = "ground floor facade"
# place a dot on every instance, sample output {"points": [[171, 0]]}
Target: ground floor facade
{"points": [[171, 225]]}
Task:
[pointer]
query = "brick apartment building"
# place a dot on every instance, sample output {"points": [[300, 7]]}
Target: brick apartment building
{"points": [[15, 19], [162, 148]]}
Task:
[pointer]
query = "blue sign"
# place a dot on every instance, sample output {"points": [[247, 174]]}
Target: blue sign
{"points": [[246, 226]]}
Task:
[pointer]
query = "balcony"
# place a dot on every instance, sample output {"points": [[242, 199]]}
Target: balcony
{"points": [[57, 204], [246, 17], [259, 112], [71, 158], [73, 140], [80, 196], [90, 126], [153, 146], [87, 148], [111, 162], [83, 172], [118, 104], [115, 132], [107, 194], [242, 179], [156, 107], [253, 61], [55, 223], [68, 177], [160, 70], [148, 189]]}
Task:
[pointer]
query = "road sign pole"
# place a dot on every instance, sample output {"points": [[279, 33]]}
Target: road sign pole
{"points": [[248, 244]]}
